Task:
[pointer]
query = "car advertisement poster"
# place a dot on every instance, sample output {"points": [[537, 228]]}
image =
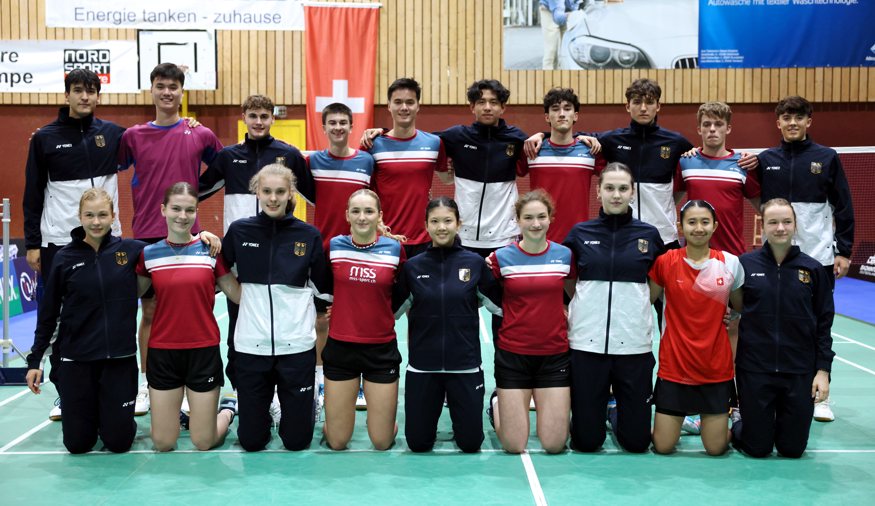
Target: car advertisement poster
{"points": [[682, 34]]}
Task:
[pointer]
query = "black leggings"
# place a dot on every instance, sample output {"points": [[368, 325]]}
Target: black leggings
{"points": [[776, 412], [98, 400], [424, 399], [593, 375], [293, 377]]}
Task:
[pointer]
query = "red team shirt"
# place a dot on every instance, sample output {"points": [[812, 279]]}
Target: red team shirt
{"points": [[335, 179], [725, 185], [402, 178], [363, 279], [184, 277], [565, 172], [534, 317], [694, 349]]}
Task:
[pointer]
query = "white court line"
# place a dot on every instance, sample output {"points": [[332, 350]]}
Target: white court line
{"points": [[483, 331], [363, 450], [24, 436], [849, 340], [534, 483], [241, 451], [858, 366], [16, 396], [221, 316]]}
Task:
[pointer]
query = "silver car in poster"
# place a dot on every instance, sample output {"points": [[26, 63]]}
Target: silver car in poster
{"points": [[631, 34]]}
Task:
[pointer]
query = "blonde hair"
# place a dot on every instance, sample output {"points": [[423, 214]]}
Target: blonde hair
{"points": [[777, 202], [382, 228], [96, 194], [279, 170], [719, 110]]}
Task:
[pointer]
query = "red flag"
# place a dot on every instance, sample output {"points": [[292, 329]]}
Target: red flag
{"points": [[341, 49]]}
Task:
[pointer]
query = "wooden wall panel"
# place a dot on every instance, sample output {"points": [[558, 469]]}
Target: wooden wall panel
{"points": [[446, 45]]}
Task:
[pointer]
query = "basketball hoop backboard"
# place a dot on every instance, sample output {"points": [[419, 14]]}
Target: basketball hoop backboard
{"points": [[193, 49]]}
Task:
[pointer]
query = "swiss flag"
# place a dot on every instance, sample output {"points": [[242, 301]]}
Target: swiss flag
{"points": [[341, 63]]}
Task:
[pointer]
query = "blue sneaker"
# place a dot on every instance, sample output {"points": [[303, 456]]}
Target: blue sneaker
{"points": [[611, 413]]}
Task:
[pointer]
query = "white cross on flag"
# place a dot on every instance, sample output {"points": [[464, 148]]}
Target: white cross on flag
{"points": [[341, 64]]}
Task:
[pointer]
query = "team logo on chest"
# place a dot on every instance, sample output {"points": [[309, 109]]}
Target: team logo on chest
{"points": [[121, 258], [100, 141], [643, 245], [720, 282], [510, 150], [804, 276], [465, 275], [665, 152], [816, 168], [281, 160], [300, 249]]}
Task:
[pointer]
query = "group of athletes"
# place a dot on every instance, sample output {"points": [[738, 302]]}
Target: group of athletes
{"points": [[313, 307]]}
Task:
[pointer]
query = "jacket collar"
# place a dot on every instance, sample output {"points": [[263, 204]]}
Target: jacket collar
{"points": [[288, 219], [796, 145], [258, 144], [649, 128], [615, 220], [482, 129], [456, 246], [766, 250], [64, 117], [78, 236]]}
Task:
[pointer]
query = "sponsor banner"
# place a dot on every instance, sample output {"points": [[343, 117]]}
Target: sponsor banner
{"points": [[39, 66], [786, 33], [866, 270], [349, 80], [177, 14], [26, 282], [14, 291]]}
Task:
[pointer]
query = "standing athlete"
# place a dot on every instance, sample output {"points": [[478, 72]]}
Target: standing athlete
{"points": [[811, 178], [162, 152], [66, 157]]}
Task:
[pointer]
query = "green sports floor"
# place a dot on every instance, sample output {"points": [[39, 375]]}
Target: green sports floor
{"points": [[838, 468]]}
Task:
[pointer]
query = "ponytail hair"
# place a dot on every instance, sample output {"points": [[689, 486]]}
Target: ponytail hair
{"points": [[382, 228]]}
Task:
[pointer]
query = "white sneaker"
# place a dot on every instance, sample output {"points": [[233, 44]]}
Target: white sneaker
{"points": [[360, 402], [141, 406], [275, 410], [692, 425], [55, 413], [185, 408], [734, 415], [822, 411]]}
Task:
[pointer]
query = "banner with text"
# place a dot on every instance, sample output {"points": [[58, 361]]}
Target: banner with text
{"points": [[177, 14], [39, 66], [347, 78], [786, 33]]}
